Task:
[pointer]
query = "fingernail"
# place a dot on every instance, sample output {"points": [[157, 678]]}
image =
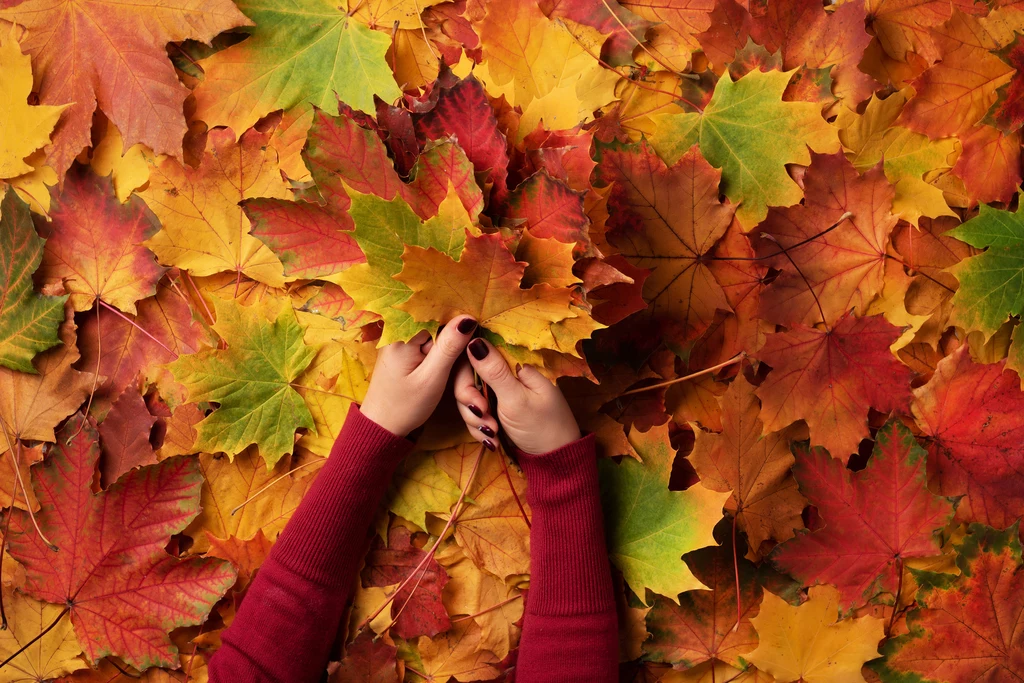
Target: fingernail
{"points": [[489, 445], [476, 411], [466, 326], [478, 348], [486, 430]]}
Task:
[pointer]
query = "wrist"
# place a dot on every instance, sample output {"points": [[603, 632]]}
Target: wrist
{"points": [[554, 441], [383, 418]]}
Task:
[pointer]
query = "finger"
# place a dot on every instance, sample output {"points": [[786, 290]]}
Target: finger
{"points": [[448, 347], [483, 429], [405, 354], [493, 370], [466, 392], [533, 380]]}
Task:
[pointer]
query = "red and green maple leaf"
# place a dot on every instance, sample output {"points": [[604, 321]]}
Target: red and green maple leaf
{"points": [[123, 592], [874, 518], [968, 627]]}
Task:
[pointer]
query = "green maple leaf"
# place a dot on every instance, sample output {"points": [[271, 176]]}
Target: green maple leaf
{"points": [[991, 283], [649, 528], [299, 51], [751, 134], [28, 321], [251, 382], [383, 228]]}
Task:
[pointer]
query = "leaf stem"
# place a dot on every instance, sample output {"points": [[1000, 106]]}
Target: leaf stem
{"points": [[266, 486], [137, 326], [15, 451], [735, 359], [29, 643]]}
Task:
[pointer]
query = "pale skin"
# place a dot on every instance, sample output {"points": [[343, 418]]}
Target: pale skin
{"points": [[409, 379]]}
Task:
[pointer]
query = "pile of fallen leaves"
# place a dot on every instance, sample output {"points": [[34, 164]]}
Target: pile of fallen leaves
{"points": [[769, 249]]}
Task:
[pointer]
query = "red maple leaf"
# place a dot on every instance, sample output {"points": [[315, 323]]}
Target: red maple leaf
{"points": [[123, 591], [874, 518], [971, 416], [830, 378]]}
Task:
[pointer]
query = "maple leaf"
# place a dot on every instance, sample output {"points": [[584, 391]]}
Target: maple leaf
{"points": [[808, 35], [460, 109], [419, 486], [702, 627], [492, 604], [991, 283], [124, 437], [835, 271], [455, 653], [123, 347], [904, 26], [1006, 113], [624, 29], [989, 164], [384, 230], [829, 379], [227, 484], [969, 412], [807, 643], [955, 93], [483, 283], [26, 127], [649, 527], [492, 530], [45, 658], [753, 468], [329, 57], [204, 228], [250, 381], [909, 158], [94, 245], [368, 660], [668, 220], [977, 612], [131, 523], [752, 156], [875, 518], [11, 491], [112, 56], [549, 209], [32, 405], [383, 13], [418, 610], [28, 321]]}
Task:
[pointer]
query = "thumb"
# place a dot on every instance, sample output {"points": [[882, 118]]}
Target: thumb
{"points": [[493, 370], [533, 380], [447, 348]]}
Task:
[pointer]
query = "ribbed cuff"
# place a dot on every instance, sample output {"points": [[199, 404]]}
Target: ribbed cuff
{"points": [[569, 569], [327, 533]]}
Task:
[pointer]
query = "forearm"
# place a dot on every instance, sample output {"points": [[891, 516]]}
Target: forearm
{"points": [[570, 631], [289, 619]]}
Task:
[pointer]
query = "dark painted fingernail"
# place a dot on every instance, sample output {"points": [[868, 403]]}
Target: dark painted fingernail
{"points": [[478, 348], [466, 326], [489, 445], [476, 411], [486, 430]]}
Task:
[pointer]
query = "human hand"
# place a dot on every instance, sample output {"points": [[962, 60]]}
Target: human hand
{"points": [[531, 408], [409, 377]]}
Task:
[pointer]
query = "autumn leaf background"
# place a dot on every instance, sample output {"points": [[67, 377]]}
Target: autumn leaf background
{"points": [[771, 250]]}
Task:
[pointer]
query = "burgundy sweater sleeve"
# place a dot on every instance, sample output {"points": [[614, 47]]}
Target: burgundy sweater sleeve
{"points": [[570, 628], [291, 614]]}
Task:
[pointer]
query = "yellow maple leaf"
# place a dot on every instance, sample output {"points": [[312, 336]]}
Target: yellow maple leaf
{"points": [[23, 128], [129, 169], [910, 159], [809, 644], [483, 283], [49, 653], [204, 227]]}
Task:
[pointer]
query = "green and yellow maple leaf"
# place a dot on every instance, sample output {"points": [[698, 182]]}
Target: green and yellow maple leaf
{"points": [[649, 527], [28, 321], [251, 381], [300, 51], [751, 134]]}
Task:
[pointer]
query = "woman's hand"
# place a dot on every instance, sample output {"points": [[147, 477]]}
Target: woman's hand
{"points": [[409, 377], [531, 409]]}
